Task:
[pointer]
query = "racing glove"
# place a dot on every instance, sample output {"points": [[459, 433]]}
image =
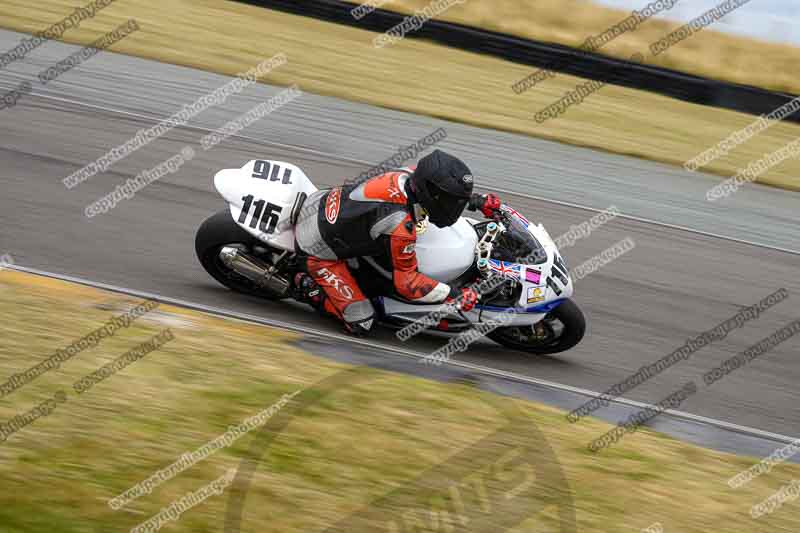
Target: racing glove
{"points": [[488, 204], [466, 300]]}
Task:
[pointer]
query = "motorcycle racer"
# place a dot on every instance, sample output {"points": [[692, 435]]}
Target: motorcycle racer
{"points": [[378, 219]]}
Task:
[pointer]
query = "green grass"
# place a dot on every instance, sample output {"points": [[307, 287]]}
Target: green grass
{"points": [[352, 436]]}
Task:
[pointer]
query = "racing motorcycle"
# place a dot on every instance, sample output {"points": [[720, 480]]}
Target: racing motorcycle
{"points": [[523, 282]]}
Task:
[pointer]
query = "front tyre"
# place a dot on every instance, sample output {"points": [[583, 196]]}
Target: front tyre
{"points": [[561, 329]]}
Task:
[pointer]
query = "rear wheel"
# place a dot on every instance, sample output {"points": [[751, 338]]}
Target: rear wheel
{"points": [[561, 329], [220, 230]]}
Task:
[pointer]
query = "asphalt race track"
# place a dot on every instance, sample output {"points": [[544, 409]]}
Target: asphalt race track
{"points": [[674, 285]]}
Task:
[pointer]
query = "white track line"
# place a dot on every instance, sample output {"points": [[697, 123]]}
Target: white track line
{"points": [[369, 164], [488, 371]]}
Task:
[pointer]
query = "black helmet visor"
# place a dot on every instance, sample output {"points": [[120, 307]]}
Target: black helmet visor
{"points": [[446, 208]]}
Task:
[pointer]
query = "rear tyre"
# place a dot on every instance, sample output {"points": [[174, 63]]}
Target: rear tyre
{"points": [[220, 230], [563, 328]]}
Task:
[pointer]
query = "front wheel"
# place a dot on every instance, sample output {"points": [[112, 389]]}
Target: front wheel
{"points": [[561, 329]]}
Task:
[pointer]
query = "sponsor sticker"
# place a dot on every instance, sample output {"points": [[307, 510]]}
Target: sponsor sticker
{"points": [[535, 295], [332, 205], [533, 276]]}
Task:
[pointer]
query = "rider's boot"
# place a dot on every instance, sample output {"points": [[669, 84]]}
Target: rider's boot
{"points": [[307, 291], [359, 329]]}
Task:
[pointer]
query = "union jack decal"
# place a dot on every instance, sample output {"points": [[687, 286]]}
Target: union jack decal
{"points": [[504, 268]]}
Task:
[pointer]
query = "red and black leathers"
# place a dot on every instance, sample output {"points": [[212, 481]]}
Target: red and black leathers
{"points": [[374, 218]]}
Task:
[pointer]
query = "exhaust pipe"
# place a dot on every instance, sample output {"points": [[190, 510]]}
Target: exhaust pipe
{"points": [[257, 271]]}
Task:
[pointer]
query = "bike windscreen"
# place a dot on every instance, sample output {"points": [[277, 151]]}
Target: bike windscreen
{"points": [[517, 245]]}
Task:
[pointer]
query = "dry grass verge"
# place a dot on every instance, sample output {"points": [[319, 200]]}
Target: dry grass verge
{"points": [[366, 438], [710, 53]]}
